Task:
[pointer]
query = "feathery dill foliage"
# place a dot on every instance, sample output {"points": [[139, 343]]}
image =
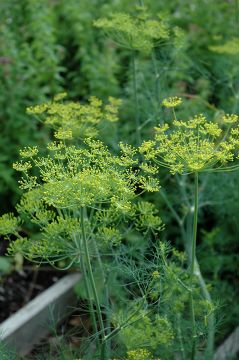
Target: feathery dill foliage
{"points": [[194, 145], [161, 324]]}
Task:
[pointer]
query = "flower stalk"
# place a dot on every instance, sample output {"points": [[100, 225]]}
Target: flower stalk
{"points": [[192, 267], [136, 99], [93, 287]]}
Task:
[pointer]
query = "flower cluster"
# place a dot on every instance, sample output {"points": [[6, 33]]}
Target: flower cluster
{"points": [[147, 217], [148, 331], [172, 102], [140, 33], [71, 178], [139, 354], [194, 145], [9, 224], [72, 119]]}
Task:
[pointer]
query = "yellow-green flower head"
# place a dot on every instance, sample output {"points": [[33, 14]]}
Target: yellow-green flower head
{"points": [[22, 166], [140, 32], [194, 145], [155, 275], [28, 152], [172, 102], [8, 224], [230, 118], [63, 134], [139, 354], [60, 96], [76, 120]]}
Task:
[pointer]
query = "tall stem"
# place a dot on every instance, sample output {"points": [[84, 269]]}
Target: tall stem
{"points": [[182, 350], [93, 286], [106, 298], [192, 267], [211, 319], [187, 236], [136, 100], [91, 307]]}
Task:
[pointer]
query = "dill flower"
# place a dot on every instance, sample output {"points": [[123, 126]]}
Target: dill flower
{"points": [[139, 354], [193, 145], [172, 102], [140, 32], [154, 330], [8, 224], [74, 120], [60, 96], [63, 134], [147, 217], [109, 235], [230, 118], [155, 275], [22, 166], [28, 152]]}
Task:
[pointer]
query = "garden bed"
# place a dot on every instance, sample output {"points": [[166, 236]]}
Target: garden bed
{"points": [[32, 322], [19, 287]]}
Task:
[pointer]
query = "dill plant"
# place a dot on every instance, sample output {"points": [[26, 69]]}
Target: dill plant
{"points": [[140, 34], [80, 199], [50, 205], [192, 147]]}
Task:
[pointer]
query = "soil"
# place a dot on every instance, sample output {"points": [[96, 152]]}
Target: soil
{"points": [[21, 286]]}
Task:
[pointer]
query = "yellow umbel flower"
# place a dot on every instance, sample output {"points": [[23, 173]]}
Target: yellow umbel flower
{"points": [[194, 145], [230, 119], [28, 152], [76, 120], [139, 354], [172, 102], [8, 224], [155, 275], [140, 32]]}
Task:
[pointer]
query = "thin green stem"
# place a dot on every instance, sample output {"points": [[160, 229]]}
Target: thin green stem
{"points": [[136, 100], [93, 286], [186, 234], [106, 298], [192, 267], [91, 307], [182, 349], [211, 319]]}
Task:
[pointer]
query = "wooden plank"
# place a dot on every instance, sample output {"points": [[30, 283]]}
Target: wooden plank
{"points": [[31, 323], [230, 348]]}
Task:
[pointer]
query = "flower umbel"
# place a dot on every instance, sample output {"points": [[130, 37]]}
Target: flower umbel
{"points": [[194, 145], [141, 32], [172, 102]]}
